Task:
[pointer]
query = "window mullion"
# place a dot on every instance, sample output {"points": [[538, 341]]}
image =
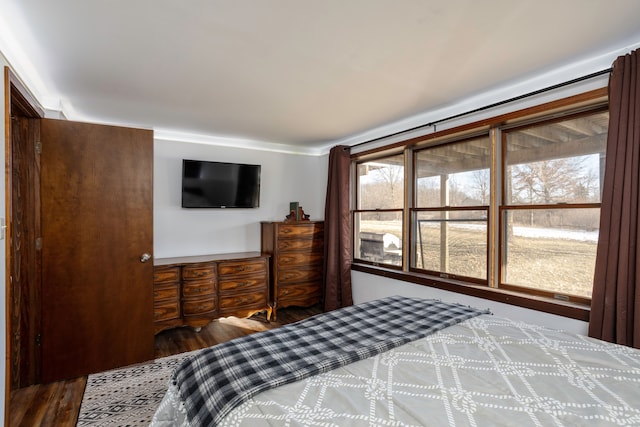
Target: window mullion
{"points": [[495, 201], [408, 204]]}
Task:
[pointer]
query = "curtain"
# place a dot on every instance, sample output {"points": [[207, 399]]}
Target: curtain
{"points": [[615, 302], [337, 232]]}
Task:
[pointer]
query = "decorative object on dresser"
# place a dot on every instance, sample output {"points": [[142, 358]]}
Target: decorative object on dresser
{"points": [[194, 290], [296, 213], [296, 250]]}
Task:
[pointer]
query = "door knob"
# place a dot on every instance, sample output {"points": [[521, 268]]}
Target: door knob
{"points": [[145, 257]]}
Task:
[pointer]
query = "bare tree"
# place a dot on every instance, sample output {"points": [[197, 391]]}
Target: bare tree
{"points": [[546, 182], [383, 189], [549, 182], [392, 194], [482, 186], [586, 188]]}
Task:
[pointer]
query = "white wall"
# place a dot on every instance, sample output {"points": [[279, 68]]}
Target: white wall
{"points": [[367, 287], [284, 178]]}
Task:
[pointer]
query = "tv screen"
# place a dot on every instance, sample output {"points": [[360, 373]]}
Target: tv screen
{"points": [[220, 185]]}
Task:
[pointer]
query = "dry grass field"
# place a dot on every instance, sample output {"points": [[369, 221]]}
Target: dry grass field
{"points": [[553, 264], [559, 265]]}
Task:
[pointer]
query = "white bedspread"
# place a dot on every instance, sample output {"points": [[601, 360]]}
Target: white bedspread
{"points": [[486, 371]]}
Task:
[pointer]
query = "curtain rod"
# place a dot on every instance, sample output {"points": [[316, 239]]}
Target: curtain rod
{"points": [[487, 107]]}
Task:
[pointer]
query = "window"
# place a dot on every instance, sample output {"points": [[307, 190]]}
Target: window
{"points": [[513, 205], [378, 220], [550, 217], [450, 218]]}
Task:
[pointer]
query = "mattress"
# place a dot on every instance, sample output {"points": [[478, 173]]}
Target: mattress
{"points": [[484, 371]]}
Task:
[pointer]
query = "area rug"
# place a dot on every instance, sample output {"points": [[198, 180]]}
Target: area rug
{"points": [[127, 396]]}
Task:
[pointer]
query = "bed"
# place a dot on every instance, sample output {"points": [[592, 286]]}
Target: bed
{"points": [[402, 361]]}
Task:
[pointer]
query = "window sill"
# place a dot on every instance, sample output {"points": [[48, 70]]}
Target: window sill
{"points": [[547, 305]]}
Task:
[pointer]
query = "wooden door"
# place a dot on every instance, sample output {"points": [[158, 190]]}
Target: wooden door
{"points": [[97, 210]]}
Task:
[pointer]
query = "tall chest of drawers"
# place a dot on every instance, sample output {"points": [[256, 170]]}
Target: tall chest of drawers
{"points": [[297, 252]]}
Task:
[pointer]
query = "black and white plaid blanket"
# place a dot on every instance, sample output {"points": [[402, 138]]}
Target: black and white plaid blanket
{"points": [[222, 377]]}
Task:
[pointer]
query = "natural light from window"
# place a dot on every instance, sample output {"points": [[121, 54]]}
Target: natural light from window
{"points": [[378, 222], [450, 219], [553, 187]]}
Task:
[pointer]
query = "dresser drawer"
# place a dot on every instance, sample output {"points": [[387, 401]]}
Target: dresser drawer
{"points": [[295, 259], [166, 292], [198, 287], [241, 300], [302, 245], [255, 282], [299, 291], [166, 274], [232, 268], [299, 275], [198, 271], [296, 231], [166, 311], [199, 306]]}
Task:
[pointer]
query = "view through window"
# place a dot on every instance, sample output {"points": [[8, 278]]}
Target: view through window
{"points": [[378, 218], [551, 213], [547, 177], [452, 184]]}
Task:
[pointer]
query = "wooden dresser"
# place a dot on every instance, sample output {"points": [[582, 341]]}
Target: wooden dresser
{"points": [[297, 252], [195, 290]]}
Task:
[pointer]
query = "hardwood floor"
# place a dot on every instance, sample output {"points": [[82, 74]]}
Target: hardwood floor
{"points": [[57, 404]]}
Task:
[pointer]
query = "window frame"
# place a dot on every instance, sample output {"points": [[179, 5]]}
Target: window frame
{"points": [[414, 209], [576, 308], [504, 207], [357, 211], [442, 274]]}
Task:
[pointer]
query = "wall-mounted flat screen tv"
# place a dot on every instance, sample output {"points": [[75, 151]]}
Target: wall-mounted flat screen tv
{"points": [[220, 185]]}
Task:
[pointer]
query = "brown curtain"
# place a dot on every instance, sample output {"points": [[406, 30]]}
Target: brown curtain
{"points": [[337, 232], [615, 303]]}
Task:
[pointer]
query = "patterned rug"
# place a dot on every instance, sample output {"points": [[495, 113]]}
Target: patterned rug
{"points": [[126, 396]]}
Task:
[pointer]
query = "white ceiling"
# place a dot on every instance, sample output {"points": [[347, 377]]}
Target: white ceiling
{"points": [[296, 72]]}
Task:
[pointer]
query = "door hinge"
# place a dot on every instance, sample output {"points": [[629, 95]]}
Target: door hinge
{"points": [[39, 243], [38, 340], [38, 147]]}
